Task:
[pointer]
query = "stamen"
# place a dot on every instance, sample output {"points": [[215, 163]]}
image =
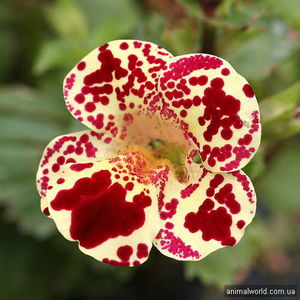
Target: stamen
{"points": [[174, 154], [197, 158], [148, 160]]}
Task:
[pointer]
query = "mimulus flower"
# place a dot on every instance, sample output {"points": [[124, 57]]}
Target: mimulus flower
{"points": [[131, 180]]}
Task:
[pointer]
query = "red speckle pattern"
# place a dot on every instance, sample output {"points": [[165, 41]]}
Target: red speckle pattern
{"points": [[81, 66], [244, 150], [142, 251], [227, 197], [77, 149], [241, 224], [124, 46], [212, 114], [225, 72], [186, 65], [116, 81], [175, 246], [46, 212], [247, 89], [121, 90], [125, 252], [80, 167], [219, 106], [101, 204], [186, 192], [210, 212], [170, 209]]}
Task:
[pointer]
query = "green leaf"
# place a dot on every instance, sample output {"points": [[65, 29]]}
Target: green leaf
{"points": [[67, 19], [191, 7], [151, 28], [58, 54], [293, 126], [34, 104], [23, 129], [182, 38], [290, 11], [115, 20], [29, 119], [17, 161], [257, 57], [280, 105], [281, 129], [279, 114], [279, 187], [22, 205], [257, 165], [221, 267], [18, 165], [98, 13]]}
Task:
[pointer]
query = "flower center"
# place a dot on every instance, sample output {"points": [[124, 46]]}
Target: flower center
{"points": [[174, 153]]}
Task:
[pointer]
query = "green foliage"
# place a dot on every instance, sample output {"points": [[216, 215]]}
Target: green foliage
{"points": [[280, 183], [221, 267], [183, 38], [30, 121], [290, 11], [35, 104], [82, 26], [51, 269], [257, 165], [281, 105], [265, 50], [279, 114], [67, 20]]}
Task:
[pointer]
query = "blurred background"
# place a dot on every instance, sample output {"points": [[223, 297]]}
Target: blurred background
{"points": [[40, 40]]}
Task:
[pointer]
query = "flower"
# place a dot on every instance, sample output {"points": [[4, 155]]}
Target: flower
{"points": [[131, 180]]}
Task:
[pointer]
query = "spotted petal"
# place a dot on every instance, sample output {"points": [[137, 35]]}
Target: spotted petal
{"points": [[215, 106], [78, 147], [109, 207], [113, 84], [204, 214]]}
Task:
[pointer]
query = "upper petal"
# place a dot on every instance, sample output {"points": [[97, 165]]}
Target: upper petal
{"points": [[109, 207], [114, 83], [79, 147], [209, 212], [214, 106]]}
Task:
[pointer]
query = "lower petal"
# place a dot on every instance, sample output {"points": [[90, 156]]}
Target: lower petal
{"points": [[109, 207], [204, 214]]}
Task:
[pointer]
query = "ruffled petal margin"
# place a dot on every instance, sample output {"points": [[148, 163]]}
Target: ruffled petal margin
{"points": [[205, 214], [114, 84], [214, 106], [109, 207]]}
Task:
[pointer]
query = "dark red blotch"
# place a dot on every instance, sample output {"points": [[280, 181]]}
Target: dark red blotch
{"points": [[100, 210], [221, 110], [214, 224]]}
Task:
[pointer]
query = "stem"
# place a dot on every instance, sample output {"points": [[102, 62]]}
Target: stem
{"points": [[209, 8], [208, 39]]}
